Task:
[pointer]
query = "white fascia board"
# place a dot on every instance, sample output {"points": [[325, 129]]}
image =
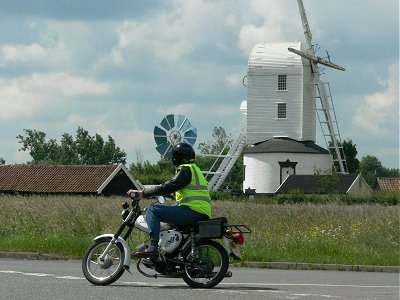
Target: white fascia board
{"points": [[115, 172], [137, 183], [359, 177], [107, 181], [352, 184], [282, 183]]}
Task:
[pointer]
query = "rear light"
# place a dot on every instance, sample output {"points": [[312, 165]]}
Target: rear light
{"points": [[238, 238]]}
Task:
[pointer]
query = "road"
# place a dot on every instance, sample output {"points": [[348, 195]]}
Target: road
{"points": [[38, 279]]}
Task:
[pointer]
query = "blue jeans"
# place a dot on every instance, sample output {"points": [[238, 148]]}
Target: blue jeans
{"points": [[177, 215]]}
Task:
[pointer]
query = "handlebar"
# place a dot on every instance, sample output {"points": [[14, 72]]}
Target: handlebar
{"points": [[134, 196]]}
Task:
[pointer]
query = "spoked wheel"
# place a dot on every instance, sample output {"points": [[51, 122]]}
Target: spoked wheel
{"points": [[207, 266], [108, 270]]}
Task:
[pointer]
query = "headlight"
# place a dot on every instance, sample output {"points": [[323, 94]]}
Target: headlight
{"points": [[124, 205]]}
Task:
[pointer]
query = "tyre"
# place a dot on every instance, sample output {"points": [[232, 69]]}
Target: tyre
{"points": [[207, 266], [108, 270]]}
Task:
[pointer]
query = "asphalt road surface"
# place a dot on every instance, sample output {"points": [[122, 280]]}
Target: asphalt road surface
{"points": [[35, 279]]}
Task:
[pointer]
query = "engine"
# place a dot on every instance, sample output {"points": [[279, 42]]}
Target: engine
{"points": [[169, 240]]}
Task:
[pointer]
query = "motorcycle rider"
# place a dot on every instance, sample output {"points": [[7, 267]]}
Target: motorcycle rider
{"points": [[191, 193]]}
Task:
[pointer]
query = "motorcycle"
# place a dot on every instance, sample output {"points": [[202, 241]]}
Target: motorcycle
{"points": [[188, 252]]}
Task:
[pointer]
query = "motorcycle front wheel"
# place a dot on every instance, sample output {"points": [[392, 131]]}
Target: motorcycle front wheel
{"points": [[206, 266], [103, 271]]}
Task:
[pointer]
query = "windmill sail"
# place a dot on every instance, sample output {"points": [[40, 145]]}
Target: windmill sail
{"points": [[327, 117], [316, 59]]}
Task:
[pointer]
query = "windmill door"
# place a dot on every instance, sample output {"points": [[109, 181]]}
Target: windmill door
{"points": [[287, 168]]}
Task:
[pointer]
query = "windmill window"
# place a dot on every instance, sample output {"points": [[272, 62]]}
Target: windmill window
{"points": [[281, 110], [281, 82]]}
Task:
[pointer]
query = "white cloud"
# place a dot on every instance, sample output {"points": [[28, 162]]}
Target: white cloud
{"points": [[59, 45], [180, 109], [136, 39], [67, 85], [54, 55], [23, 53], [133, 139], [378, 112], [231, 21], [234, 80], [211, 110], [170, 35], [24, 96], [15, 102], [276, 23]]}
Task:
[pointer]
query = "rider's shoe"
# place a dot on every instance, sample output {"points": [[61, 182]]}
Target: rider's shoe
{"points": [[151, 252]]}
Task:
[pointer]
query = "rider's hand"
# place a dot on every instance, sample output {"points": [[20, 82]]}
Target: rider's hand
{"points": [[138, 194]]}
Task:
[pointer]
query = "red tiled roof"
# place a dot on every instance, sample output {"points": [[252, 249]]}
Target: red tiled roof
{"points": [[389, 184], [54, 178]]}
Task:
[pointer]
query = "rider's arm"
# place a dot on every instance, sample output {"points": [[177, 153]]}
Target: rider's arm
{"points": [[181, 179]]}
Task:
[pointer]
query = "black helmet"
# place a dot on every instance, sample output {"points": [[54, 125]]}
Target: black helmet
{"points": [[182, 154]]}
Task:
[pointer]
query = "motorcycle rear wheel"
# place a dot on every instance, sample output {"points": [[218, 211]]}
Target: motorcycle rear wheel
{"points": [[107, 271], [207, 266]]}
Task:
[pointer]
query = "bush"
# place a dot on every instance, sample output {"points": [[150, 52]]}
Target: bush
{"points": [[292, 197], [387, 198], [381, 197], [216, 195]]}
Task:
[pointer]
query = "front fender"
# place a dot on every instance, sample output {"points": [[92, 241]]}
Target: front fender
{"points": [[127, 250]]}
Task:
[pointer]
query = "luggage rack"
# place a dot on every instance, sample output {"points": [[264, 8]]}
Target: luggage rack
{"points": [[238, 228]]}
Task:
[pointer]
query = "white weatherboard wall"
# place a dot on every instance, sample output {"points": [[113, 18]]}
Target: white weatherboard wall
{"points": [[266, 62], [262, 170]]}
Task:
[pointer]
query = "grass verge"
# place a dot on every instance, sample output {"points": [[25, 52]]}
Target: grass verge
{"points": [[332, 233]]}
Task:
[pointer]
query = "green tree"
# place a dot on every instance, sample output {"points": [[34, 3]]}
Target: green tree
{"points": [[220, 144], [84, 149], [149, 174], [370, 168], [350, 151], [390, 172], [68, 152], [2, 161], [35, 143]]}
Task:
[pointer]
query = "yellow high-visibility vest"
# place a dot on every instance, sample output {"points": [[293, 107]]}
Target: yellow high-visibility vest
{"points": [[195, 194]]}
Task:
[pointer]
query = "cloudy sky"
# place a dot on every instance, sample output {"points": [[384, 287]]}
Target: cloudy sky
{"points": [[118, 67]]}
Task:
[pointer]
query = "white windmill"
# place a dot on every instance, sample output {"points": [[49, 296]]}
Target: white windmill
{"points": [[285, 96]]}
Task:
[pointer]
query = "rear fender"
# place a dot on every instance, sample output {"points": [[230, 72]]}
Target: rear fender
{"points": [[127, 250], [233, 250]]}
